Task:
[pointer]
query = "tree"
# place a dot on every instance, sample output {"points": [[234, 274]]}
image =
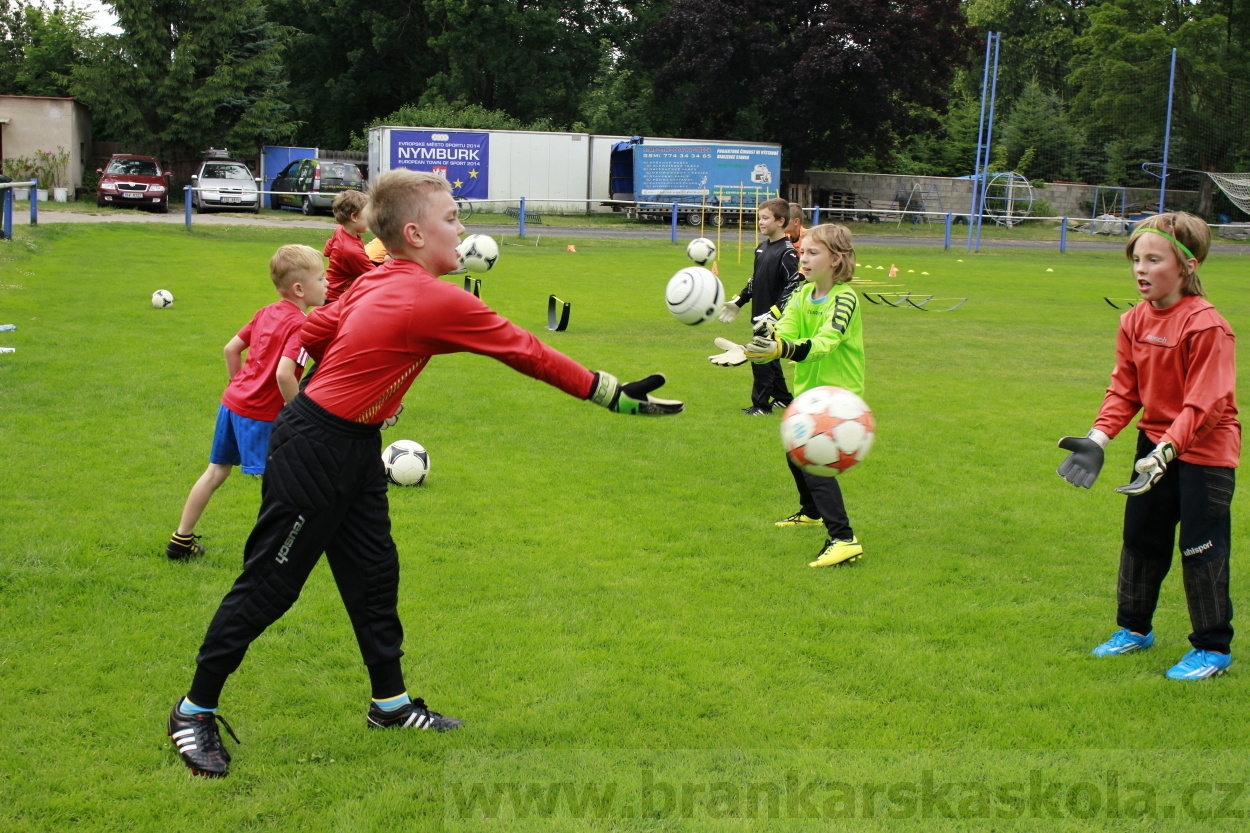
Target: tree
{"points": [[1037, 130], [185, 75], [41, 46], [828, 81], [1121, 73]]}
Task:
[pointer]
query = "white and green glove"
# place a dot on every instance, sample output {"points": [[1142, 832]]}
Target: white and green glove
{"points": [[1150, 469], [728, 311], [763, 325], [390, 421], [732, 357], [633, 397], [1081, 467]]}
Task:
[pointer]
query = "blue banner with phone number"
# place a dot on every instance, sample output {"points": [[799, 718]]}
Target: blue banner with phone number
{"points": [[461, 158]]}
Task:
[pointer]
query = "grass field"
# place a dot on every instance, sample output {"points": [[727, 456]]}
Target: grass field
{"points": [[604, 600]]}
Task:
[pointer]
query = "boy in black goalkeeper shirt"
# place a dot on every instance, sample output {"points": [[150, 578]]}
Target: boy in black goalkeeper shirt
{"points": [[775, 277]]}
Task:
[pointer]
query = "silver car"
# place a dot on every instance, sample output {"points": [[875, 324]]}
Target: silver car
{"points": [[227, 185]]}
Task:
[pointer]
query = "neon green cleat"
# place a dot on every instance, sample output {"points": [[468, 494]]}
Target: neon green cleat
{"points": [[798, 519], [836, 553]]}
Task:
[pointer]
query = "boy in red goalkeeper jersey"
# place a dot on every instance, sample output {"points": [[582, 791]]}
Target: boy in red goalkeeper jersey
{"points": [[258, 387], [345, 249], [1175, 363], [325, 487]]}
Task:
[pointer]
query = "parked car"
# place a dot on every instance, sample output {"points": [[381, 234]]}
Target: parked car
{"points": [[133, 180], [314, 184], [225, 183]]}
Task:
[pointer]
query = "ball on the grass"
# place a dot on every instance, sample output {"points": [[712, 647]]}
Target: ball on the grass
{"points": [[407, 462], [478, 252], [693, 295], [701, 250], [826, 430], [162, 298]]}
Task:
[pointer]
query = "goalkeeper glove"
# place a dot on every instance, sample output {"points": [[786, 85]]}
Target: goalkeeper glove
{"points": [[392, 419], [1081, 467], [1150, 469], [632, 398], [765, 347], [732, 357], [728, 311], [763, 325]]}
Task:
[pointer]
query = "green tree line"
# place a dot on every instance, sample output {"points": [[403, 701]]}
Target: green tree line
{"points": [[875, 85]]}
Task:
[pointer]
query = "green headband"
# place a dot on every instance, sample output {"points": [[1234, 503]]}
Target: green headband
{"points": [[1178, 243]]}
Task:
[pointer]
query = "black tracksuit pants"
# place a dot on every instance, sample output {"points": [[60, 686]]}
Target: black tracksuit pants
{"points": [[1196, 497], [821, 497], [768, 385], [324, 490]]}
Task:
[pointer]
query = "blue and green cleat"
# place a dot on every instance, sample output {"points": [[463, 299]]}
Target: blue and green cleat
{"points": [[1198, 665], [1124, 641]]}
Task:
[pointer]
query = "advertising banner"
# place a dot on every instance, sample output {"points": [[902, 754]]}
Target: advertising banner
{"points": [[461, 158], [715, 173]]}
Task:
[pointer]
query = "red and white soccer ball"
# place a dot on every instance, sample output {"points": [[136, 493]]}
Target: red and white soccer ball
{"points": [[827, 430]]}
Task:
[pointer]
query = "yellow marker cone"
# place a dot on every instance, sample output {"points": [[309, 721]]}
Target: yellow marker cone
{"points": [[959, 260], [924, 273], [909, 271], [1050, 270]]}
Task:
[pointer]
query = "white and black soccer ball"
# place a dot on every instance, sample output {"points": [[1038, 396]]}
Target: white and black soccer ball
{"points": [[826, 430], [693, 295], [162, 298], [407, 462], [701, 250], [478, 252]]}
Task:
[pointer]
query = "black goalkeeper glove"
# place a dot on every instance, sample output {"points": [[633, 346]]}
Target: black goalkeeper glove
{"points": [[1150, 469], [1081, 467], [632, 398]]}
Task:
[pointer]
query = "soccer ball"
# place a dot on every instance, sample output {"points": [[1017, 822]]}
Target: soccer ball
{"points": [[162, 298], [701, 250], [693, 295], [478, 252], [827, 430], [407, 462]]}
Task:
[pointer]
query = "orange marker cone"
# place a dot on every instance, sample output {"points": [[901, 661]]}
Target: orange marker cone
{"points": [[572, 248], [893, 271], [715, 271]]}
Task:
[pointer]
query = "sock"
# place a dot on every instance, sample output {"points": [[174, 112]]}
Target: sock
{"points": [[395, 703], [188, 708]]}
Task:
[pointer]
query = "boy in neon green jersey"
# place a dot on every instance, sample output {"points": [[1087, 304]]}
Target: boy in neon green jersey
{"points": [[822, 331]]}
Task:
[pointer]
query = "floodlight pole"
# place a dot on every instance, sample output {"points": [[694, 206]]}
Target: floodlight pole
{"points": [[983, 146], [989, 138], [1167, 134]]}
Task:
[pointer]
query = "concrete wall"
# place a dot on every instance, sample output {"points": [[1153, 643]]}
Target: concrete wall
{"points": [[44, 123], [830, 188]]}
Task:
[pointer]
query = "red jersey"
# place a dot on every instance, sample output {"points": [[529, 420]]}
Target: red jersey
{"points": [[1177, 366], [273, 333], [374, 341], [348, 261]]}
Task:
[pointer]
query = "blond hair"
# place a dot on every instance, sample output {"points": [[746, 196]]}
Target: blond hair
{"points": [[1189, 231], [346, 204], [837, 239], [398, 197], [293, 261]]}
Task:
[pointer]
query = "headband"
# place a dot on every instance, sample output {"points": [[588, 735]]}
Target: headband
{"points": [[1178, 243]]}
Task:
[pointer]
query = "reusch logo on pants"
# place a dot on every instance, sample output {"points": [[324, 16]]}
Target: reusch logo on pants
{"points": [[290, 541]]}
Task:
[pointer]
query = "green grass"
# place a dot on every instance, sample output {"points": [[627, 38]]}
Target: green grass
{"points": [[600, 598]]}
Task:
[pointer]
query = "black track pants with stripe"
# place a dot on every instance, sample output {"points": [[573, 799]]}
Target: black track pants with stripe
{"points": [[324, 491], [1197, 498]]}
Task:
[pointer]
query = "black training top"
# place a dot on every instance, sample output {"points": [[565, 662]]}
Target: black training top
{"points": [[776, 276]]}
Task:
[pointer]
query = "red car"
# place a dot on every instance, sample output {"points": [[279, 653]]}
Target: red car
{"points": [[133, 180]]}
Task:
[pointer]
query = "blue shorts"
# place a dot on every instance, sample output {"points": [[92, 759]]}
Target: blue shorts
{"points": [[239, 440]]}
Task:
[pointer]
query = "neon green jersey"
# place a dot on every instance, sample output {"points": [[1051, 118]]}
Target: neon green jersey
{"points": [[832, 332]]}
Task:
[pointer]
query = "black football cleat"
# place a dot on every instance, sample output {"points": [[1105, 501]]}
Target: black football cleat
{"points": [[199, 742], [182, 547], [412, 715], [757, 410]]}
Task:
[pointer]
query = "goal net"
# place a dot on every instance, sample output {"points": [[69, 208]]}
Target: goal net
{"points": [[1236, 187]]}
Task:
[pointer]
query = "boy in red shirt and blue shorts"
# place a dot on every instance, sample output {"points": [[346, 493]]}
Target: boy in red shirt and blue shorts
{"points": [[325, 485], [1175, 364], [259, 386]]}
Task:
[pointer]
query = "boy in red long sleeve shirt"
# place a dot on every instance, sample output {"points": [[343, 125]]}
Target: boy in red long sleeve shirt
{"points": [[325, 486], [345, 249], [1175, 363]]}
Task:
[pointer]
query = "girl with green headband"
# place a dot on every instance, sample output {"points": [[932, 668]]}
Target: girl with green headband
{"points": [[1174, 363]]}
